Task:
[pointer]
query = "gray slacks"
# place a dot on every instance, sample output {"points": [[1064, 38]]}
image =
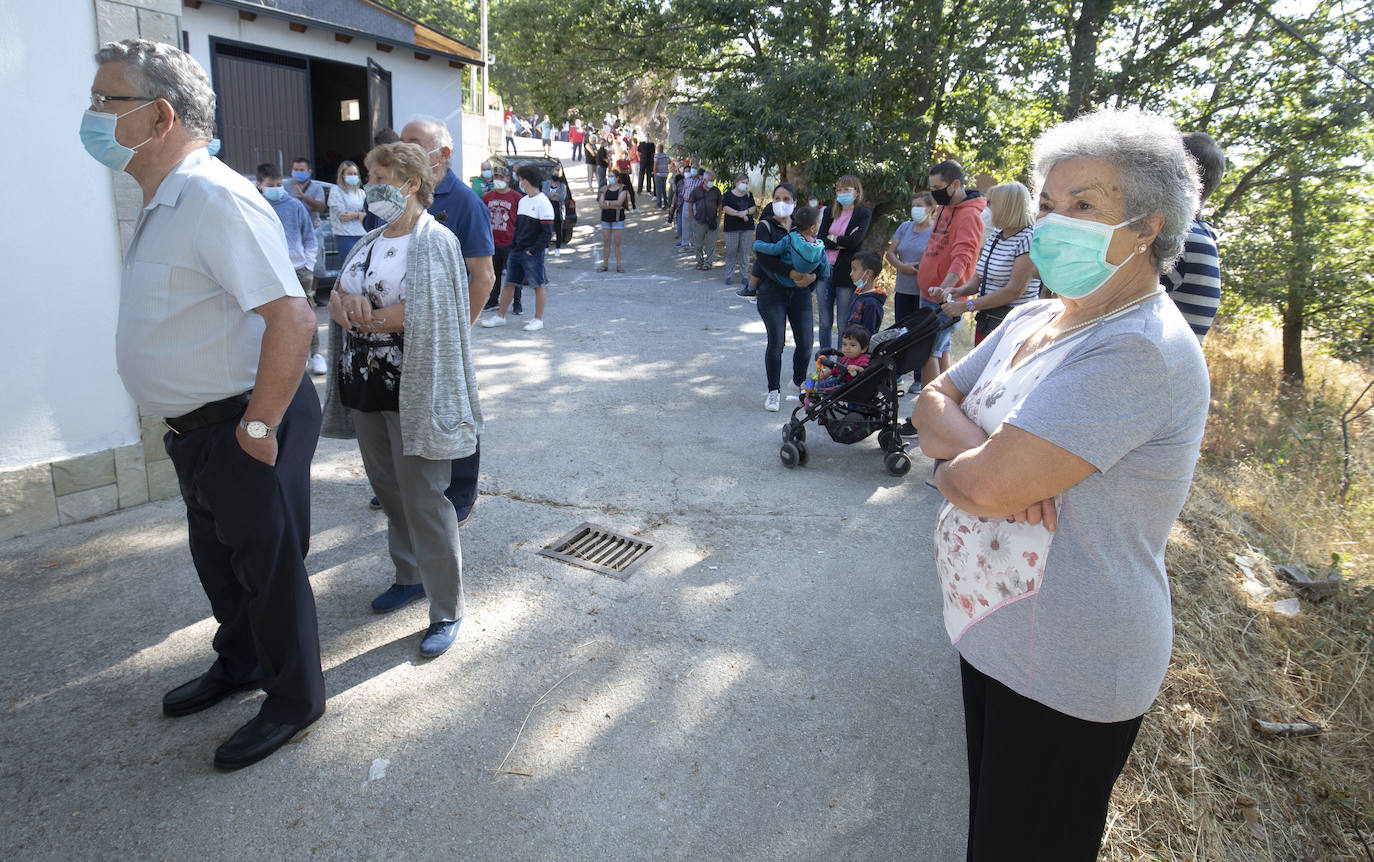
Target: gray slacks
{"points": [[705, 241], [738, 245], [422, 528]]}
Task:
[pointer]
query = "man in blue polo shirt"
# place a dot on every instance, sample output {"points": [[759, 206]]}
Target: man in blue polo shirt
{"points": [[459, 209]]}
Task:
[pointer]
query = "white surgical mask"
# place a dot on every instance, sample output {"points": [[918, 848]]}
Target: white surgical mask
{"points": [[741, 187], [814, 203], [783, 209], [499, 184]]}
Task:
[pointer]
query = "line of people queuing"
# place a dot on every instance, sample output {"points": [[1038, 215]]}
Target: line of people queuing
{"points": [[961, 252], [1063, 444]]}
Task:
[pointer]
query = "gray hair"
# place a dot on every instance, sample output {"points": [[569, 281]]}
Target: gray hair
{"points": [[437, 132], [1154, 172], [159, 71]]}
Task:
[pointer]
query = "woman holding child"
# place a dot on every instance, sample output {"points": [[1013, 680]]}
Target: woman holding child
{"points": [[784, 292], [1065, 446]]}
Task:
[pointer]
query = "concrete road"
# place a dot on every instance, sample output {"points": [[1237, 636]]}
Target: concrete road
{"points": [[775, 684]]}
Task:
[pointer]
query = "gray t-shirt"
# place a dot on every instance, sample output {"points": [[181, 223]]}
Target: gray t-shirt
{"points": [[1131, 399], [911, 244]]}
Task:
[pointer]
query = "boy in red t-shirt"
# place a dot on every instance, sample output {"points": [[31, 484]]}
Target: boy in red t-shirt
{"points": [[502, 202]]}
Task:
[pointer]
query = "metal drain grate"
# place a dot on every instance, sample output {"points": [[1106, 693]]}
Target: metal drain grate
{"points": [[600, 550]]}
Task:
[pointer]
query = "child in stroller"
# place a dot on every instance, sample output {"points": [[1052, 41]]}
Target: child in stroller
{"points": [[834, 368], [866, 403]]}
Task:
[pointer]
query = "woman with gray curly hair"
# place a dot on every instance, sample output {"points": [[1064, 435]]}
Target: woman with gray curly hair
{"points": [[1065, 445], [403, 369]]}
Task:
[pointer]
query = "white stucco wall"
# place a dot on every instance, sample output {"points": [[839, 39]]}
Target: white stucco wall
{"points": [[59, 394], [417, 86]]}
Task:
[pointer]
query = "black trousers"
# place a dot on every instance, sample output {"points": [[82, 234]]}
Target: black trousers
{"points": [[557, 224], [498, 263], [249, 527], [462, 487], [1039, 780]]}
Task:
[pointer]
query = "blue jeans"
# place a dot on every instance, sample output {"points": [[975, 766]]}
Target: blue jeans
{"points": [[779, 306], [345, 245], [522, 267], [834, 308]]}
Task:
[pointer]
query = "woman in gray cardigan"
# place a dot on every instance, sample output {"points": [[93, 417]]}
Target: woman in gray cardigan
{"points": [[402, 381]]}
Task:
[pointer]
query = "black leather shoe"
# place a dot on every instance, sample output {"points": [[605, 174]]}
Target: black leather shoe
{"points": [[201, 693], [254, 741]]}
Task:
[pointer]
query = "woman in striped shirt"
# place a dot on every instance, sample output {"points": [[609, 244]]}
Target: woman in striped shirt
{"points": [[1004, 277]]}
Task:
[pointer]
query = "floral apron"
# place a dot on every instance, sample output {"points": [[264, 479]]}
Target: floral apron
{"points": [[987, 563]]}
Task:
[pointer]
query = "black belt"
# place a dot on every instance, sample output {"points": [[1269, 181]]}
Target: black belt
{"points": [[211, 414]]}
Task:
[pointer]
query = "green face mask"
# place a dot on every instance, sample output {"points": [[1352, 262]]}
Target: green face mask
{"points": [[1071, 254]]}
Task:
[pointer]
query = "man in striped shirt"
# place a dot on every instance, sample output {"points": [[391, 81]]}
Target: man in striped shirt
{"points": [[1194, 283]]}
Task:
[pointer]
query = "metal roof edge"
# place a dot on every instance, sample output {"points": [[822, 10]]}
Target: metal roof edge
{"points": [[267, 11]]}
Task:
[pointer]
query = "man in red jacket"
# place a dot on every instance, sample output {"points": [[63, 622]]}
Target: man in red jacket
{"points": [[953, 249]]}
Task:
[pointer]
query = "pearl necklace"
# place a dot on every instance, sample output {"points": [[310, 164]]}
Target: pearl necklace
{"points": [[1101, 317]]}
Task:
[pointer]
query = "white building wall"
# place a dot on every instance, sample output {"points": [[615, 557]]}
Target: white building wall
{"points": [[417, 86], [60, 393]]}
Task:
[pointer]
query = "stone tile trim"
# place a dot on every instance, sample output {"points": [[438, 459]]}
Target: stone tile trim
{"points": [[76, 489]]}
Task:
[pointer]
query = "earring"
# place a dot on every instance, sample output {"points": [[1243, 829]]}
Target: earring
{"points": [[1142, 249]]}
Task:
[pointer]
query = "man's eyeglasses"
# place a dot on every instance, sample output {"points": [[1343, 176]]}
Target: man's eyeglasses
{"points": [[98, 101]]}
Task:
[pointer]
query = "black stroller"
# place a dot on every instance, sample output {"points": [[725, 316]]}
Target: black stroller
{"points": [[868, 402]]}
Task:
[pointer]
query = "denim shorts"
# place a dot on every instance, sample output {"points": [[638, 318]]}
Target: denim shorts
{"points": [[523, 268], [613, 225], [946, 336]]}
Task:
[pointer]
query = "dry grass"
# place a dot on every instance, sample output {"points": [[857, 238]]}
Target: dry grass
{"points": [[1201, 785]]}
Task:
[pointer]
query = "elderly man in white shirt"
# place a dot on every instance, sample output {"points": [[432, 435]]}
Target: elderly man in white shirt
{"points": [[212, 335]]}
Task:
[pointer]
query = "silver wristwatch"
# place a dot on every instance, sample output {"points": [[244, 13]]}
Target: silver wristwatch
{"points": [[257, 429]]}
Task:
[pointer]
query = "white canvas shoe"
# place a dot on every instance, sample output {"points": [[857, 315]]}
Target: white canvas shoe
{"points": [[493, 320], [773, 401], [534, 325]]}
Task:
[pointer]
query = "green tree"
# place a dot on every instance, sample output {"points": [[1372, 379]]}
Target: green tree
{"points": [[1294, 212]]}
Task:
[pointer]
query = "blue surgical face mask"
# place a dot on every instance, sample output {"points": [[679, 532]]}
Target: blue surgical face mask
{"points": [[486, 175], [98, 137], [844, 199], [300, 176], [213, 147], [274, 193], [352, 179], [1071, 254]]}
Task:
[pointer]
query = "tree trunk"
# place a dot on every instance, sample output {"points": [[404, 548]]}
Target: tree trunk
{"points": [[1299, 277], [1083, 54]]}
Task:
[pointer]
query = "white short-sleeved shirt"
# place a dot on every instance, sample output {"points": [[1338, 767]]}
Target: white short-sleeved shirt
{"points": [[207, 250]]}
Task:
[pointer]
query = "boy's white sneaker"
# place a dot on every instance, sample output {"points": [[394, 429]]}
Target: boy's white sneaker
{"points": [[773, 401], [493, 320], [317, 365], [534, 325]]}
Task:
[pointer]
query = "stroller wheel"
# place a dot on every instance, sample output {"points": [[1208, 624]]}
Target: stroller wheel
{"points": [[802, 455], [798, 431], [790, 455], [885, 440], [897, 463]]}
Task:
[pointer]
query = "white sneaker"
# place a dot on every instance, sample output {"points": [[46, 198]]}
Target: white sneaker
{"points": [[317, 365], [558, 252], [534, 325], [773, 401], [493, 320]]}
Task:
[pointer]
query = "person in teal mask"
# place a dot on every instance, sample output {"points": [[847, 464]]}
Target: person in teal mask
{"points": [[1065, 445], [212, 335]]}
